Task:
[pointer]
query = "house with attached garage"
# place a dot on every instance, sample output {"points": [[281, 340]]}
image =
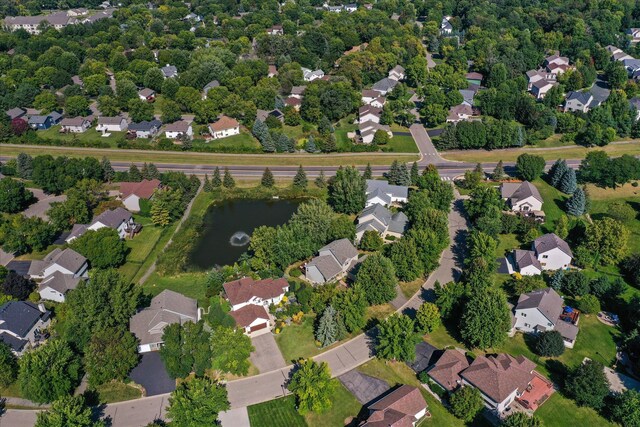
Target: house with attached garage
{"points": [[132, 192], [368, 129], [523, 262], [397, 73], [145, 129], [178, 129], [65, 261], [521, 196], [404, 406], [22, 325], [250, 299], [382, 193], [297, 92], [38, 122], [578, 101], [540, 88], [112, 124], [16, 113], [446, 29], [75, 125], [548, 252], [459, 113], [311, 75], [368, 113], [380, 219], [224, 127], [544, 310], [634, 35], [275, 30], [167, 308], [333, 262], [147, 94], [55, 286], [384, 86], [169, 71], [118, 219], [446, 370], [212, 84]]}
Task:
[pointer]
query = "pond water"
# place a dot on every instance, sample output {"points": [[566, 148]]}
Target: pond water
{"points": [[228, 227]]}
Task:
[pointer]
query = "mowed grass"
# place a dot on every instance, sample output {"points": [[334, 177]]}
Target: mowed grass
{"points": [[343, 409], [90, 136], [410, 288], [220, 159], [560, 411], [117, 391], [192, 285], [510, 154], [397, 373], [553, 203], [242, 142], [296, 341], [276, 413], [403, 144]]}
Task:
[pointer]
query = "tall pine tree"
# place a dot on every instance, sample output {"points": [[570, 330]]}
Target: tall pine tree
{"points": [[107, 170], [267, 179], [415, 174], [394, 173], [568, 183], [134, 173], [368, 173], [557, 171], [216, 180], [404, 178], [300, 180], [327, 330], [498, 172], [310, 146], [577, 204], [227, 180], [321, 181], [207, 184]]}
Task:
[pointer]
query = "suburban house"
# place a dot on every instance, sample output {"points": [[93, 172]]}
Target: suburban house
{"points": [[119, 219], [276, 30], [132, 192], [459, 113], [21, 325], [382, 193], [38, 122], [384, 86], [297, 91], [556, 64], [544, 310], [247, 291], [293, 102], [55, 286], [333, 261], [65, 261], [169, 71], [538, 76], [368, 95], [397, 73], [446, 371], [178, 129], [369, 113], [540, 88], [225, 126], [147, 94], [75, 124], [634, 34], [552, 252], [632, 65], [167, 308], [262, 115], [474, 78], [521, 196], [311, 75], [368, 129], [16, 113], [57, 20], [468, 96], [250, 299], [208, 87], [145, 129], [578, 101], [112, 124], [404, 406], [272, 71], [446, 29], [524, 262], [380, 219]]}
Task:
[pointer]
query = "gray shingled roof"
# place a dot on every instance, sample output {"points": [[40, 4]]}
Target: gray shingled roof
{"points": [[19, 317], [166, 308], [59, 282], [145, 126], [326, 265], [525, 259], [113, 218], [566, 329], [341, 249], [551, 241], [379, 212], [396, 191], [519, 191], [68, 258], [372, 225], [384, 85], [582, 97], [546, 300], [398, 223]]}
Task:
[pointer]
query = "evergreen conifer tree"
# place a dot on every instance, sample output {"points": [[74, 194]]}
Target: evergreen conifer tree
{"points": [[568, 183], [310, 146], [329, 145], [207, 184], [321, 181], [478, 169], [300, 180], [498, 172], [145, 171], [368, 173], [404, 178], [267, 179], [576, 205], [107, 170], [152, 171], [556, 280], [216, 180], [327, 327], [134, 173], [415, 174], [227, 180], [394, 173], [557, 171]]}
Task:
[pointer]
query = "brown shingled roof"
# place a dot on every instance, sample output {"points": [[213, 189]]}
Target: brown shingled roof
{"points": [[446, 371], [246, 315], [242, 290], [397, 408], [223, 123], [498, 376], [143, 189]]}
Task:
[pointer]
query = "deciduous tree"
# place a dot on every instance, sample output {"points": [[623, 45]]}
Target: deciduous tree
{"points": [[347, 191], [466, 403], [68, 411], [111, 354], [312, 386], [486, 320], [427, 318], [396, 339], [588, 385], [197, 402], [377, 278], [230, 350]]}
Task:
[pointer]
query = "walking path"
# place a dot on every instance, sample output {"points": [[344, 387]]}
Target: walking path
{"points": [[271, 385]]}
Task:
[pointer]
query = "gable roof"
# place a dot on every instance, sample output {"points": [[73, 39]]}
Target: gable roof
{"points": [[243, 290], [446, 371], [224, 123], [19, 317], [146, 92], [403, 402], [381, 213], [582, 97], [179, 126], [498, 376], [326, 265], [519, 191], [384, 85], [67, 258], [111, 120], [143, 189], [169, 70], [399, 69], [246, 315], [59, 282], [341, 249], [525, 259], [398, 223], [15, 113], [298, 90], [37, 119], [145, 126], [396, 191], [73, 121], [551, 241], [113, 218], [547, 301]]}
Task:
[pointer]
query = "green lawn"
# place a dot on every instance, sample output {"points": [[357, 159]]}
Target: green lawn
{"points": [[553, 203], [117, 392], [403, 144], [344, 408], [296, 341], [506, 243], [12, 390], [276, 413], [192, 285], [244, 142], [559, 411], [410, 288], [90, 136], [395, 373]]}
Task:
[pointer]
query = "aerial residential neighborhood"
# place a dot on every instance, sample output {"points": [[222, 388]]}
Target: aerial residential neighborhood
{"points": [[325, 214]]}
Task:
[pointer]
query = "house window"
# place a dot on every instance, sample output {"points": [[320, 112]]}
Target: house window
{"points": [[524, 314], [545, 256], [527, 325]]}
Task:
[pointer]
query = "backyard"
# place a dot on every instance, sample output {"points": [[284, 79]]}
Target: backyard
{"points": [[90, 136]]}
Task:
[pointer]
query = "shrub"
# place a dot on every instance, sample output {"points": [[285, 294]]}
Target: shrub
{"points": [[549, 344], [589, 304]]}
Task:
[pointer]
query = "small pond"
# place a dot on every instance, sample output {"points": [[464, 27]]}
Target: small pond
{"points": [[228, 225]]}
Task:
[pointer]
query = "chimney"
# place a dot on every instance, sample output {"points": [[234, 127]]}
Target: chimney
{"points": [[41, 308]]}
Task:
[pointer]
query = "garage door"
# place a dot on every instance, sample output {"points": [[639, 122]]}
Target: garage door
{"points": [[258, 327]]}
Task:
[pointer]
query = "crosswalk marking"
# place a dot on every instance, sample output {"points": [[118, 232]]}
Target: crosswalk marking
{"points": [[445, 178]]}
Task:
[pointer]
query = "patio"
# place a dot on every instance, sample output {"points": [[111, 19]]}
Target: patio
{"points": [[539, 390]]}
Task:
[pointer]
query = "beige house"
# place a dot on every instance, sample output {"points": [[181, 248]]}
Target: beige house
{"points": [[225, 126]]}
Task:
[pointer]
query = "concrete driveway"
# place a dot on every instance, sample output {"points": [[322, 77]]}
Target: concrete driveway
{"points": [[43, 204], [238, 417], [266, 356], [152, 375], [363, 387], [618, 382]]}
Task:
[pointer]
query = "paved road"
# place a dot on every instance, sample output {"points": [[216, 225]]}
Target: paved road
{"points": [[428, 152], [40, 208]]}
